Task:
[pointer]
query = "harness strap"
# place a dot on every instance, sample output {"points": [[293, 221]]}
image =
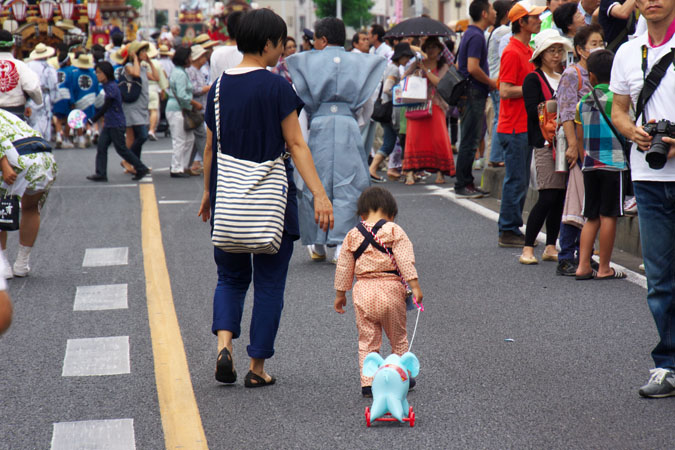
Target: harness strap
{"points": [[369, 239]]}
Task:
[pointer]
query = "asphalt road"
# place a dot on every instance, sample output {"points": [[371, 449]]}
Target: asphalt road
{"points": [[569, 379]]}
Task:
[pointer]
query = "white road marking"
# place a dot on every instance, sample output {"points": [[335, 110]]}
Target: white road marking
{"points": [[100, 257], [117, 434], [632, 276], [101, 297], [96, 185], [96, 357], [176, 202], [158, 152], [161, 169], [146, 179]]}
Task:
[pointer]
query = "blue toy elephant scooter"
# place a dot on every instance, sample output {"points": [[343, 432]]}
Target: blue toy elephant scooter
{"points": [[391, 379]]}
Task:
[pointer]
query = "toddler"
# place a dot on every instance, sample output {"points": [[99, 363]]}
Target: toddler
{"points": [[379, 295]]}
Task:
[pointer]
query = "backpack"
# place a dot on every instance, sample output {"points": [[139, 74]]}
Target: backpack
{"points": [[548, 113], [130, 88]]}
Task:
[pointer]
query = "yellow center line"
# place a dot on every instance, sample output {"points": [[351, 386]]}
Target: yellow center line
{"points": [[177, 404]]}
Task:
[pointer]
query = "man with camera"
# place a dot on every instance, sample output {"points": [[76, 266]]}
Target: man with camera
{"points": [[650, 57]]}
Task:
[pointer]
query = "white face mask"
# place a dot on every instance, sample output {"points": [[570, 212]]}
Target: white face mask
{"points": [[593, 50]]}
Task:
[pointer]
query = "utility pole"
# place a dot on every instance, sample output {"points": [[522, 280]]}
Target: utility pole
{"points": [[338, 8]]}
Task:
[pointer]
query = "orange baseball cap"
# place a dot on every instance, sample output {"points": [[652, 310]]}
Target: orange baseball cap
{"points": [[524, 8]]}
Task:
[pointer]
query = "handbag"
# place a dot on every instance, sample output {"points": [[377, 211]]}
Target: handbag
{"points": [[192, 119], [453, 87], [414, 89], [250, 203], [417, 112], [9, 212], [382, 111]]}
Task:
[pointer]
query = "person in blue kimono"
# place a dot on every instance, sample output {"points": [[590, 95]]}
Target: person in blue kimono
{"points": [[334, 84], [84, 90], [62, 102]]}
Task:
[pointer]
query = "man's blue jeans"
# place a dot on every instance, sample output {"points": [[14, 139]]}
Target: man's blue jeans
{"points": [[470, 128], [140, 136], [496, 149], [517, 156], [656, 213]]}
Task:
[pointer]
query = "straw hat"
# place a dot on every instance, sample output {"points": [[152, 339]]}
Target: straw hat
{"points": [[205, 41], [152, 51], [547, 38], [66, 24], [42, 52], [135, 47], [164, 50], [197, 51], [120, 56], [83, 61]]}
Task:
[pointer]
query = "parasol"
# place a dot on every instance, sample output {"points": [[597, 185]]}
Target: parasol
{"points": [[419, 26]]}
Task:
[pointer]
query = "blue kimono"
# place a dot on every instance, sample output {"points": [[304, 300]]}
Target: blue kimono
{"points": [[84, 90], [334, 84], [62, 101]]}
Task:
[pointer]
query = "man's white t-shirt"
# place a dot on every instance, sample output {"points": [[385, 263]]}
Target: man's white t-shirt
{"points": [[223, 58], [627, 80]]}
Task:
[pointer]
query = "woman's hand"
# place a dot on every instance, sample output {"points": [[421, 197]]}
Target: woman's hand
{"points": [[340, 302], [205, 207], [323, 212], [571, 154], [198, 106], [9, 175]]}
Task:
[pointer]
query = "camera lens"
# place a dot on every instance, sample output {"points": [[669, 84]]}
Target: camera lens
{"points": [[657, 155]]}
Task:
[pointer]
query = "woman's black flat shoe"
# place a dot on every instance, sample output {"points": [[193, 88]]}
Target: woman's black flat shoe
{"points": [[252, 380], [225, 372]]}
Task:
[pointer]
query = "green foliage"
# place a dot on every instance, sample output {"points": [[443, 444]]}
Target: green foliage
{"points": [[355, 13], [136, 4], [161, 18]]}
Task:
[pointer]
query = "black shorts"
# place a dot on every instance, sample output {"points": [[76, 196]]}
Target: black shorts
{"points": [[602, 194]]}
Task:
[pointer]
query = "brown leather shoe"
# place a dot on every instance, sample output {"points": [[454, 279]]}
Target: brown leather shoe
{"points": [[511, 240]]}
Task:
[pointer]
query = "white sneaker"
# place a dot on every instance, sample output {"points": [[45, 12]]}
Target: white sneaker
{"points": [[21, 269], [6, 268], [478, 164], [59, 140], [81, 142]]}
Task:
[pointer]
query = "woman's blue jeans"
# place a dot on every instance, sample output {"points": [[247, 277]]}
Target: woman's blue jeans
{"points": [[235, 271], [656, 214], [388, 140], [496, 149]]}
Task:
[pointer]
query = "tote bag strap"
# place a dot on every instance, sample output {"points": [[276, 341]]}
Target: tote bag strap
{"points": [[216, 106]]}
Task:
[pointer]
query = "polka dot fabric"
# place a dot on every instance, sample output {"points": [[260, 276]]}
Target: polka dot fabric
{"points": [[379, 297]]}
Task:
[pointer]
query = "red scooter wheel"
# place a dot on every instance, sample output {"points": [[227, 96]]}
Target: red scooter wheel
{"points": [[411, 415], [367, 416]]}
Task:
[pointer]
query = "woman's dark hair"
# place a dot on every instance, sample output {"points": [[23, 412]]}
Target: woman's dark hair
{"points": [[258, 26], [181, 57], [377, 30], [563, 16], [98, 52], [502, 7], [434, 41], [233, 19], [107, 69], [584, 34], [476, 9], [376, 198], [332, 29], [288, 39], [600, 64]]}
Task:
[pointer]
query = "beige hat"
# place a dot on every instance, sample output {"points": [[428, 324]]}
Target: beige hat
{"points": [[66, 24], [83, 61], [152, 51], [135, 47], [547, 38], [197, 51], [120, 56], [164, 50], [42, 52], [205, 41]]}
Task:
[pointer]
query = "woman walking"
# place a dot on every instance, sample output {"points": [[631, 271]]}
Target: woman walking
{"points": [[537, 87], [180, 98], [258, 119], [427, 144]]}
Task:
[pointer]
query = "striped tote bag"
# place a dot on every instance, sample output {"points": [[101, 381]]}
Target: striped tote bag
{"points": [[250, 203]]}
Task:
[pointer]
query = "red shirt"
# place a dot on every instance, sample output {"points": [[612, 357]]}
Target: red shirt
{"points": [[514, 66]]}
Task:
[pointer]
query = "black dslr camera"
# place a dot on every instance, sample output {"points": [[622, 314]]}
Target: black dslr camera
{"points": [[657, 155]]}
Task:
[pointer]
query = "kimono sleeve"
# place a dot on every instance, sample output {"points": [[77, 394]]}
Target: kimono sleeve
{"points": [[404, 254]]}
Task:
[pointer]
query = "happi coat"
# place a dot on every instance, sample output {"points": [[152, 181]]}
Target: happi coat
{"points": [[334, 84]]}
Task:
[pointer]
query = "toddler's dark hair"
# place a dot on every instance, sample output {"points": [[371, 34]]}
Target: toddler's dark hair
{"points": [[376, 198]]}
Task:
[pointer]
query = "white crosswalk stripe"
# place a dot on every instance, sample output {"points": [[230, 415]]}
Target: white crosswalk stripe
{"points": [[97, 356], [116, 434], [101, 297], [101, 257]]}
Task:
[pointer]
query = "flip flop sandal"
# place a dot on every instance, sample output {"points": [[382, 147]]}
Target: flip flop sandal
{"points": [[589, 276], [225, 372], [616, 275], [253, 381]]}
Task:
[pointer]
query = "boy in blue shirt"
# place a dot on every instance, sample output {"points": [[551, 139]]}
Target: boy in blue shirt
{"points": [[604, 160]]}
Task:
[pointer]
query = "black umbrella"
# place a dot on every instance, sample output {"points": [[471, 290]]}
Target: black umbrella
{"points": [[419, 26]]}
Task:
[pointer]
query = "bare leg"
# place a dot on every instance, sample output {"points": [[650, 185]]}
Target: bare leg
{"points": [[154, 119], [410, 177], [30, 220], [377, 159], [586, 241], [528, 252], [3, 239], [607, 234], [258, 367], [440, 179], [130, 137]]}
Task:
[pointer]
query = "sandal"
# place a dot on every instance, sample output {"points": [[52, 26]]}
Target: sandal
{"points": [[588, 276], [225, 372], [616, 275], [253, 381]]}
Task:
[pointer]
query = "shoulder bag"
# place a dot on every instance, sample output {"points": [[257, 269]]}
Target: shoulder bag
{"points": [[453, 87], [382, 111], [250, 203], [130, 88]]}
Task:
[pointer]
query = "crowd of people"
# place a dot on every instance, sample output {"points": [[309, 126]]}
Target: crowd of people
{"points": [[556, 91]]}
